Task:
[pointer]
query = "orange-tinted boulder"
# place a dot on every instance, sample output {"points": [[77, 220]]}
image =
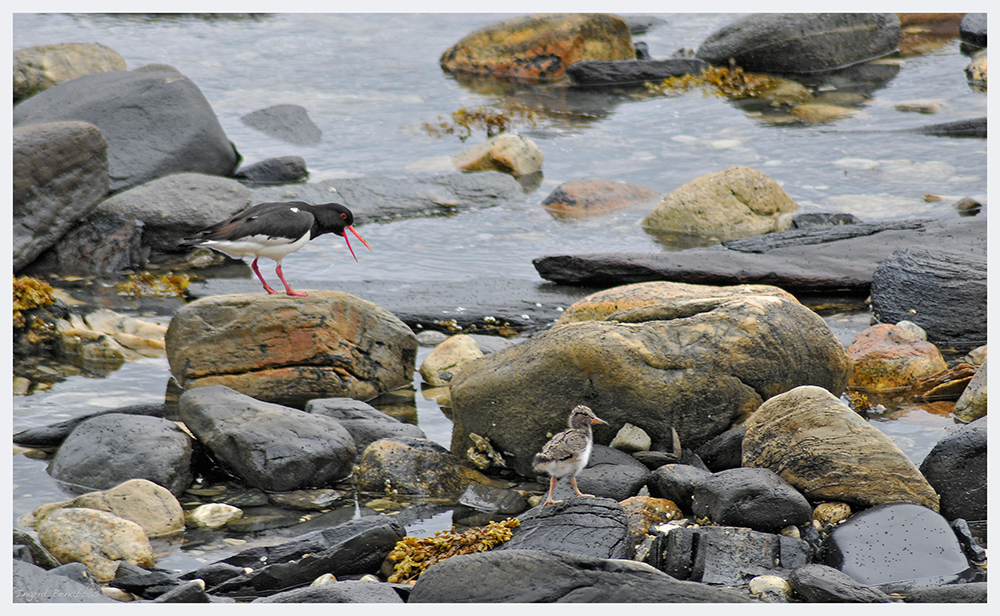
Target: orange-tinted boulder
{"points": [[540, 47], [586, 198], [887, 357]]}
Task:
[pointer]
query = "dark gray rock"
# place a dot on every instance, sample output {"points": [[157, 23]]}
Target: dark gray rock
{"points": [[34, 552], [726, 555], [107, 450], [379, 199], [348, 591], [956, 468], [609, 473], [802, 42], [155, 121], [32, 584], [148, 584], [676, 482], [972, 592], [534, 576], [974, 128], [973, 29], [756, 498], [356, 547], [596, 527], [99, 245], [60, 174], [190, 592], [289, 123], [603, 73], [724, 451], [177, 206], [280, 170], [822, 584], [270, 446], [214, 573], [493, 500], [897, 542], [970, 545], [78, 572], [640, 24], [813, 259], [816, 219], [53, 435], [930, 286], [365, 423]]}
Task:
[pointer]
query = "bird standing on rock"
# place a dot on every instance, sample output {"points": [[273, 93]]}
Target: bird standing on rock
{"points": [[274, 230], [567, 453]]}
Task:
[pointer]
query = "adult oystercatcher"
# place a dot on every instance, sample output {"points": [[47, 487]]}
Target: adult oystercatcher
{"points": [[274, 230], [567, 453]]}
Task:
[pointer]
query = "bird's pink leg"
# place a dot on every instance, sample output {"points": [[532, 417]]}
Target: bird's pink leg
{"points": [[267, 287], [572, 482], [288, 289], [552, 487]]}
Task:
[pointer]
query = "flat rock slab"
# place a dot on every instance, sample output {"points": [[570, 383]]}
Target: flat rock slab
{"points": [[825, 259], [525, 305], [536, 576], [596, 527]]}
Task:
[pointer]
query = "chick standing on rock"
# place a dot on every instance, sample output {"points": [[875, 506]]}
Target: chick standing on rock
{"points": [[567, 453]]}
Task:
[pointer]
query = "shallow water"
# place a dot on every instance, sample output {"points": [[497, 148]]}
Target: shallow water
{"points": [[370, 82]]}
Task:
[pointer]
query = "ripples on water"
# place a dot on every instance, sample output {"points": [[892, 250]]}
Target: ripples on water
{"points": [[371, 81]]}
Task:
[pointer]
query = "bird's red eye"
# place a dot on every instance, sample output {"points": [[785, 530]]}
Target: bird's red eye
{"points": [[343, 215]]}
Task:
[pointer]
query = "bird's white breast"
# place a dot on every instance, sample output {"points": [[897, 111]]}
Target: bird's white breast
{"points": [[258, 246]]}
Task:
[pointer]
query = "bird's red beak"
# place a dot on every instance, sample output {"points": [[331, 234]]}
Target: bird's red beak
{"points": [[351, 229], [598, 420]]}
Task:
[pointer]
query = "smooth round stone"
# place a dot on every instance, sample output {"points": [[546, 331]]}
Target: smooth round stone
{"points": [[213, 515]]}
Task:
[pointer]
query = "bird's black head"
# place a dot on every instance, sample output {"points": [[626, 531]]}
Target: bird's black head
{"points": [[336, 218]]}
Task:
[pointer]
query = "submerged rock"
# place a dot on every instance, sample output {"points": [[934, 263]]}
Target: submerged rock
{"points": [[539, 47], [507, 153], [737, 202], [289, 123], [802, 42], [587, 198]]}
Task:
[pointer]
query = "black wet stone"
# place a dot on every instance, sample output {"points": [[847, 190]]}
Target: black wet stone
{"points": [[895, 543], [676, 482], [753, 497], [822, 584], [596, 527]]}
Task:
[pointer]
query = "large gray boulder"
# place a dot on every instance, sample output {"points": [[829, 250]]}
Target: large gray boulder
{"points": [[956, 466], [802, 42], [107, 450], [176, 206], [272, 447], [156, 122], [655, 355], [32, 584], [60, 173]]}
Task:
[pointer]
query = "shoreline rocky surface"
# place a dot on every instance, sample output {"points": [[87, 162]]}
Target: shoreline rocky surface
{"points": [[728, 471]]}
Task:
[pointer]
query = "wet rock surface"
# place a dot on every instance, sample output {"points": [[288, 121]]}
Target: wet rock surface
{"points": [[365, 423], [755, 498], [33, 584], [536, 576], [539, 47], [608, 73], [289, 123], [818, 583], [587, 198], [348, 591], [595, 527], [896, 542], [801, 42], [956, 467]]}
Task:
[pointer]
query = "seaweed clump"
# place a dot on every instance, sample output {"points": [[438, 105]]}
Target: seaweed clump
{"points": [[30, 293], [464, 121], [718, 81], [145, 284], [413, 555]]}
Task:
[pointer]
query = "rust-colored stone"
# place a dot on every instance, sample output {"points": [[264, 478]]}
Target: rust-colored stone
{"points": [[889, 357], [646, 511], [540, 47], [587, 198]]}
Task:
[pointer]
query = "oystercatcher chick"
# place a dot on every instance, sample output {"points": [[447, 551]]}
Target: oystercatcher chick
{"points": [[274, 230], [567, 453]]}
